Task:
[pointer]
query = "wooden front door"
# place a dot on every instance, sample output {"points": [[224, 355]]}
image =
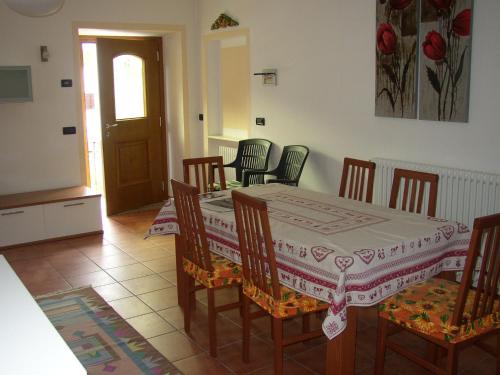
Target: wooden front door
{"points": [[133, 136]]}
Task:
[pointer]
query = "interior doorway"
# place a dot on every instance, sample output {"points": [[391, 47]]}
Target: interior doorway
{"points": [[124, 116]]}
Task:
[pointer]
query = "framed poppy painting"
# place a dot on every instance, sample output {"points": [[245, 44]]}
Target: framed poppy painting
{"points": [[445, 55], [396, 65]]}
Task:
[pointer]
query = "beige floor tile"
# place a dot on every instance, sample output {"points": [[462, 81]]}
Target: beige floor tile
{"points": [[132, 271], [113, 261], [170, 276], [150, 325], [162, 264], [144, 255], [130, 307], [93, 279], [112, 292], [160, 299], [175, 346], [146, 284]]}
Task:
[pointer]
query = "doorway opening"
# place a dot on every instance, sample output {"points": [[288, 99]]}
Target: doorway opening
{"points": [[125, 127], [92, 115]]}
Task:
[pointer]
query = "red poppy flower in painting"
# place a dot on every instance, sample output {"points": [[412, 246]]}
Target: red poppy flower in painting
{"points": [[400, 4], [441, 4], [461, 23], [386, 39], [434, 46]]}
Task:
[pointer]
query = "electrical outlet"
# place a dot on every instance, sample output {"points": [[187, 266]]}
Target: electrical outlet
{"points": [[261, 121]]}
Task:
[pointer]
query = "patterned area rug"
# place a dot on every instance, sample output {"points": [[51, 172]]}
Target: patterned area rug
{"points": [[103, 341]]}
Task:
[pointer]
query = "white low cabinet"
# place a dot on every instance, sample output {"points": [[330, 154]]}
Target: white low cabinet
{"points": [[45, 215], [21, 224]]}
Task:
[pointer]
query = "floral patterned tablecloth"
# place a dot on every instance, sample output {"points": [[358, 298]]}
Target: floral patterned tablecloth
{"points": [[345, 252]]}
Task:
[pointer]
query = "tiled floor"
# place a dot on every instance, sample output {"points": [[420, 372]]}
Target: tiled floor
{"points": [[137, 278]]}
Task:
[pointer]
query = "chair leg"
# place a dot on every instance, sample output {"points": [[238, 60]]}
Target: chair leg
{"points": [[498, 353], [382, 326], [272, 327], [452, 360], [432, 352], [187, 303], [240, 298], [246, 329], [212, 337], [278, 346], [306, 323]]}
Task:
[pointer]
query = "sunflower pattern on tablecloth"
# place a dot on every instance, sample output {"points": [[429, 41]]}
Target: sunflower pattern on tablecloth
{"points": [[428, 308]]}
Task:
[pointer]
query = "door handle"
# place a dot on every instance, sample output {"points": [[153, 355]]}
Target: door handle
{"points": [[108, 126]]}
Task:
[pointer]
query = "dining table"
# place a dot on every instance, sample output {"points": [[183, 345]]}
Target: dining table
{"points": [[348, 253]]}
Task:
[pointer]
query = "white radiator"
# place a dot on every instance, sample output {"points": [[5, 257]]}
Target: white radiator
{"points": [[462, 195], [228, 155]]}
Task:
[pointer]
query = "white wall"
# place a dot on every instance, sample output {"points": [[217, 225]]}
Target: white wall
{"points": [[34, 154], [324, 51]]}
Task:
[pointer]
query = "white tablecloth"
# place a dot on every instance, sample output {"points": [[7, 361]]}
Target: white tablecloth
{"points": [[337, 250]]}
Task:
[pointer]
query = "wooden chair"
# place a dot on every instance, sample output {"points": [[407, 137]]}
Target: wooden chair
{"points": [[209, 270], [448, 314], [289, 169], [262, 287], [204, 172], [416, 198], [356, 172]]}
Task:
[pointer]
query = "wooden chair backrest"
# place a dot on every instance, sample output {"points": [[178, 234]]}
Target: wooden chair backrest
{"points": [[484, 248], [354, 174], [204, 172], [191, 225], [413, 199], [256, 243]]}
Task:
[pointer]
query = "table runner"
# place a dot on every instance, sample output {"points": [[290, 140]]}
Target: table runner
{"points": [[345, 252]]}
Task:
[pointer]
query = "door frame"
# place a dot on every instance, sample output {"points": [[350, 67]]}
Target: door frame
{"points": [[161, 31]]}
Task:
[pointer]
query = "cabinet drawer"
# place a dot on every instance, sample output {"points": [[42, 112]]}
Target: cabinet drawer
{"points": [[20, 225], [72, 217]]}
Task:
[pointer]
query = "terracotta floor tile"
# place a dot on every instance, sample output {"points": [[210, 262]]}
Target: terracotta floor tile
{"points": [[30, 265], [202, 364], [130, 307], [175, 346], [160, 299], [113, 261], [47, 287], [146, 284], [69, 270], [93, 279], [290, 368], [132, 271], [112, 292], [261, 355], [150, 325], [227, 331], [66, 258], [162, 264], [313, 359], [39, 276]]}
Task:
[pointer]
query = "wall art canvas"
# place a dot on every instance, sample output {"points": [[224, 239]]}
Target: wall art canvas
{"points": [[445, 54], [396, 65]]}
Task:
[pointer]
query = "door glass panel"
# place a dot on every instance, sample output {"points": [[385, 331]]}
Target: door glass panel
{"points": [[130, 96]]}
